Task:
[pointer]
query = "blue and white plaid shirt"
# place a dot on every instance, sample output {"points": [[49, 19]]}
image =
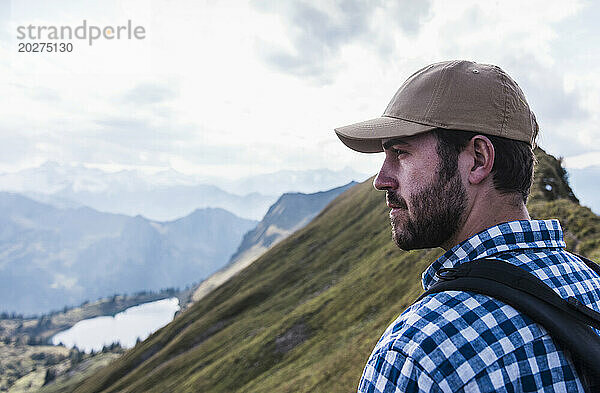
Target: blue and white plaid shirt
{"points": [[459, 341]]}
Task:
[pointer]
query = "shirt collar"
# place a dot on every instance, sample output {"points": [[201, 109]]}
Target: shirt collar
{"points": [[508, 236]]}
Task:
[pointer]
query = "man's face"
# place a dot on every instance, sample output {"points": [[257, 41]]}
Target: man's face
{"points": [[426, 205]]}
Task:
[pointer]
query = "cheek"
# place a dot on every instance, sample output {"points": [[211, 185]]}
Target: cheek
{"points": [[464, 169], [466, 162], [419, 176], [431, 169]]}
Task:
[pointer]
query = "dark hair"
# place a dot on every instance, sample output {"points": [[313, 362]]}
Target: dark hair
{"points": [[513, 163]]}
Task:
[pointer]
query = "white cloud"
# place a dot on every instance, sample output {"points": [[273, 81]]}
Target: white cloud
{"points": [[582, 161], [63, 282], [198, 94]]}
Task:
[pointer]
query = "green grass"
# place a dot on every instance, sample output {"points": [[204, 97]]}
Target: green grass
{"points": [[331, 289]]}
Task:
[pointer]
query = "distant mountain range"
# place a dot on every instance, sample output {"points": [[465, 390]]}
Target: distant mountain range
{"points": [[164, 195], [291, 212], [51, 257]]}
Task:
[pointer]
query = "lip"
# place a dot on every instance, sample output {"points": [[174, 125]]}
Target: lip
{"points": [[390, 205], [393, 206]]}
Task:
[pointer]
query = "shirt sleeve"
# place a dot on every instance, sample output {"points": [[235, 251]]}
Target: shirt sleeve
{"points": [[393, 372]]}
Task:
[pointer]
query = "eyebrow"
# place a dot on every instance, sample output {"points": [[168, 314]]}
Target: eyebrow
{"points": [[395, 141]]}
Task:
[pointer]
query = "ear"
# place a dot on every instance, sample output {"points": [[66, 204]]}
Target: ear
{"points": [[481, 154]]}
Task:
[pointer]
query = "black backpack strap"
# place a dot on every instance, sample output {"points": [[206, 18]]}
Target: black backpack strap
{"points": [[567, 321]]}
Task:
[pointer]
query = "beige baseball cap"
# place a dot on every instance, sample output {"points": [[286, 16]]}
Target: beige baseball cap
{"points": [[453, 95]]}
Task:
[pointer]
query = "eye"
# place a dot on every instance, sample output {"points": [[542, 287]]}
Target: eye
{"points": [[397, 152]]}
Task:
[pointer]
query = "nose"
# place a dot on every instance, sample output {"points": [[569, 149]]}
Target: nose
{"points": [[383, 181]]}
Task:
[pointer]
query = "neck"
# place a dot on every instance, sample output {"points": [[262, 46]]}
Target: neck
{"points": [[488, 212]]}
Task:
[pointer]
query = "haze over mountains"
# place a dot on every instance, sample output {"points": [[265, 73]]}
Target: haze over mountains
{"points": [[52, 257], [165, 195]]}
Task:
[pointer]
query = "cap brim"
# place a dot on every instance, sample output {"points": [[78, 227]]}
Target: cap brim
{"points": [[366, 136]]}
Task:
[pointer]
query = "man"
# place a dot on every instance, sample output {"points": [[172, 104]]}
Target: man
{"points": [[458, 139]]}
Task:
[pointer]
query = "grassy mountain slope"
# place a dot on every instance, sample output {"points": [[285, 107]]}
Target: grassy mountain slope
{"points": [[305, 315], [291, 212]]}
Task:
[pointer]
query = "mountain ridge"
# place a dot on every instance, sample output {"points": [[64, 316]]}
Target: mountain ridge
{"points": [[300, 209], [291, 212]]}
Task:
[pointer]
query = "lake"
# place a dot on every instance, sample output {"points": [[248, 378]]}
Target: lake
{"points": [[125, 327]]}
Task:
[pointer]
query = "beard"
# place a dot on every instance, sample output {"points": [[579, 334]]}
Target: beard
{"points": [[434, 215]]}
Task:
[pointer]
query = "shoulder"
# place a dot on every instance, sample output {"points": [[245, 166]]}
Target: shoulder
{"points": [[451, 339], [452, 336], [565, 273]]}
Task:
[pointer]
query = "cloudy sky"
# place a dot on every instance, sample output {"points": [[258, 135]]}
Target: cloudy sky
{"points": [[232, 88]]}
